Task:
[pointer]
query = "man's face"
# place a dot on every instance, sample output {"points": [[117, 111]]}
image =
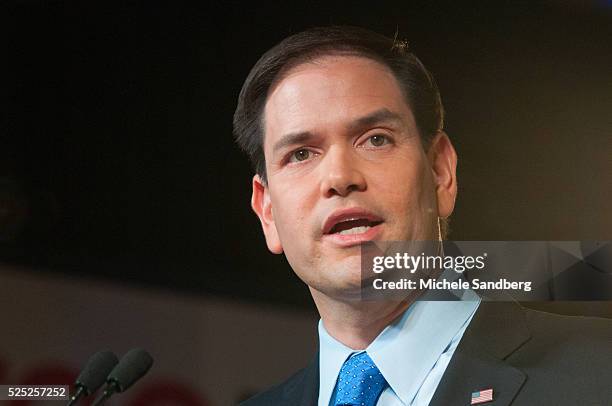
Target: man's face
{"points": [[345, 164]]}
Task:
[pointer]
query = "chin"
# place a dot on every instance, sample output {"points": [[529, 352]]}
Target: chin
{"points": [[345, 280]]}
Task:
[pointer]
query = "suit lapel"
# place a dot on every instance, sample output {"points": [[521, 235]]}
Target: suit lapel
{"points": [[305, 392], [310, 395], [497, 330], [467, 374]]}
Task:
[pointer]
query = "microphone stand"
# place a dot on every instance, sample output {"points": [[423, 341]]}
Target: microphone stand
{"points": [[77, 395], [109, 391]]}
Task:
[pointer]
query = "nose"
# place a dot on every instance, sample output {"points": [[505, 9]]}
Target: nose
{"points": [[341, 174]]}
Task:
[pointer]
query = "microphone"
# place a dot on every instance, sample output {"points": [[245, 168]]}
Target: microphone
{"points": [[93, 374], [133, 366]]}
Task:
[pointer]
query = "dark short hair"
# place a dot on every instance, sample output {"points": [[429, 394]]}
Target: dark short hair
{"points": [[417, 84]]}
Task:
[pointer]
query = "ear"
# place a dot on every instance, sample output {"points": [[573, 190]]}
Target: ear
{"points": [[443, 160], [262, 206]]}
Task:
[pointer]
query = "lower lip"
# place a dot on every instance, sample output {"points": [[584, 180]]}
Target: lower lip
{"points": [[349, 240]]}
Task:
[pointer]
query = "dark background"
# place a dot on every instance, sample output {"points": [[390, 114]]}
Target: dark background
{"points": [[117, 160]]}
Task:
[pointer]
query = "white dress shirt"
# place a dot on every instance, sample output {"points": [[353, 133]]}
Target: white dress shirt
{"points": [[412, 353]]}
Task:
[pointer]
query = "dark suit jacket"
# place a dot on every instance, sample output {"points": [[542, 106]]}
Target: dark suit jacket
{"points": [[528, 358]]}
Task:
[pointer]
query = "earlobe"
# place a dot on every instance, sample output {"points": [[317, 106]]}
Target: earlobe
{"points": [[262, 206], [443, 159]]}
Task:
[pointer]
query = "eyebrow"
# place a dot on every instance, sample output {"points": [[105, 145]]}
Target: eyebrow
{"points": [[292, 139], [377, 117]]}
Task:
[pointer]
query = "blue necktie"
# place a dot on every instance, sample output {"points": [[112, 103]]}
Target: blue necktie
{"points": [[360, 383]]}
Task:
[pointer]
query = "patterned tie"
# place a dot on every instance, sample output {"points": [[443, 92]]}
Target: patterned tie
{"points": [[360, 383]]}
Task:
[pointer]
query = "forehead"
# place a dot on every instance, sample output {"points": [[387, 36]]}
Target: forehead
{"points": [[329, 93]]}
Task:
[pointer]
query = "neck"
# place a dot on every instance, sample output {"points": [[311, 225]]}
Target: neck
{"points": [[357, 323]]}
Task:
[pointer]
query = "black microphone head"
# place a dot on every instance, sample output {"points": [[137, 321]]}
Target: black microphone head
{"points": [[134, 364], [96, 370]]}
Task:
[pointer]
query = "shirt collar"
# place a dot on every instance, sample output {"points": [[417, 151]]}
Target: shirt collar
{"points": [[332, 354], [399, 351]]}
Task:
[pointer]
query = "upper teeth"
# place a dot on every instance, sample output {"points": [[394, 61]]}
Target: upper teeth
{"points": [[355, 230]]}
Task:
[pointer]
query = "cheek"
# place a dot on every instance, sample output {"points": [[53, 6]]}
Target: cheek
{"points": [[404, 189], [408, 197], [290, 208]]}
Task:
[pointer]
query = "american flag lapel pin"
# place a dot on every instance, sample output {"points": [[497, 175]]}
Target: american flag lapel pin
{"points": [[482, 396]]}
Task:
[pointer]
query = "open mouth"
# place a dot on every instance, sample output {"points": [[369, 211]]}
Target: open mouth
{"points": [[353, 226]]}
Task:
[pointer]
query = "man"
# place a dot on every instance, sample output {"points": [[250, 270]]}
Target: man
{"points": [[344, 128]]}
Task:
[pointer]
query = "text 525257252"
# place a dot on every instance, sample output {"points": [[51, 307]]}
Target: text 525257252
{"points": [[34, 392]]}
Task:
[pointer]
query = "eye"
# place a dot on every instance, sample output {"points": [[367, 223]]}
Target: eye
{"points": [[378, 140], [300, 155]]}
